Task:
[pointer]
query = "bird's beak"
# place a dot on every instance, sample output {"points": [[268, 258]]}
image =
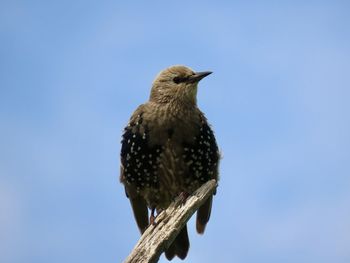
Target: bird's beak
{"points": [[199, 75]]}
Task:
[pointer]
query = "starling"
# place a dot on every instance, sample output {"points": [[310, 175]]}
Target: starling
{"points": [[169, 149]]}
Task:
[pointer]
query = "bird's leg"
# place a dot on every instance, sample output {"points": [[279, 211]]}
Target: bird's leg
{"points": [[152, 218]]}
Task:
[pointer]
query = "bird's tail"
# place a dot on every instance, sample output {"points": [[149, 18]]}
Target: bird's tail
{"points": [[180, 245]]}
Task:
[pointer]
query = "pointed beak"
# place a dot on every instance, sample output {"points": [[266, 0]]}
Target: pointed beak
{"points": [[199, 75]]}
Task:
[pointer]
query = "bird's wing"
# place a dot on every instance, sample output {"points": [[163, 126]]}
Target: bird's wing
{"points": [[129, 178], [203, 215], [138, 161], [139, 208], [210, 165]]}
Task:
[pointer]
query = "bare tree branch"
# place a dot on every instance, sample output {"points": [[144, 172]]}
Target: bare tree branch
{"points": [[168, 224]]}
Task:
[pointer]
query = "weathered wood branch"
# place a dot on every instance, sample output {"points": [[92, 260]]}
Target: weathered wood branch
{"points": [[168, 224]]}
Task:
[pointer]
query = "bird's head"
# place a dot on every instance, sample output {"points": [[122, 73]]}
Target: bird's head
{"points": [[177, 84]]}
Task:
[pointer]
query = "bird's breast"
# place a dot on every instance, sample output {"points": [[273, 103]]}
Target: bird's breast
{"points": [[168, 123]]}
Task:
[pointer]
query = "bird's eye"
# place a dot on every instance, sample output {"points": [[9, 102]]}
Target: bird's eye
{"points": [[178, 80]]}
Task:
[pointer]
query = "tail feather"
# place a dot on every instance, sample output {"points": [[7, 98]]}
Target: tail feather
{"points": [[171, 251], [180, 245]]}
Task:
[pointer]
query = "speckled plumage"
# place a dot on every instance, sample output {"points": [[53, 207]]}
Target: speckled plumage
{"points": [[168, 149]]}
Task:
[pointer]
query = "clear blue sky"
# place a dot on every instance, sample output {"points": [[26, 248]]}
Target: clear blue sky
{"points": [[72, 72]]}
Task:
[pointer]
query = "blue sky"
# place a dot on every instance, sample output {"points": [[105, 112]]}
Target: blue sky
{"points": [[72, 72]]}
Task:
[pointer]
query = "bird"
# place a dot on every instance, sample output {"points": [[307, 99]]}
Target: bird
{"points": [[168, 149]]}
